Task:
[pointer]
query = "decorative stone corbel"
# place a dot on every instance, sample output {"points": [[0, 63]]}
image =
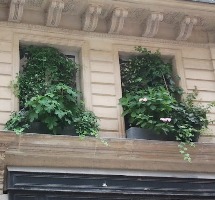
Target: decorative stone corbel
{"points": [[91, 17], [152, 25], [54, 13], [186, 28], [117, 20], [16, 10]]}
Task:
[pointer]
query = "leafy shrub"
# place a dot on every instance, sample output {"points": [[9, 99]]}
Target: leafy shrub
{"points": [[151, 99], [46, 90], [44, 67], [146, 108], [148, 69]]}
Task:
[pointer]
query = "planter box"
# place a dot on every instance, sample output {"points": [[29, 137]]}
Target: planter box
{"points": [[147, 134], [38, 127]]}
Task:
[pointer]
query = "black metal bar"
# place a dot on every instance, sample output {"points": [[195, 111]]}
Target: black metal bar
{"points": [[106, 186]]}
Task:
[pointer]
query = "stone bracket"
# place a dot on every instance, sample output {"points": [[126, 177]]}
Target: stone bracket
{"points": [[152, 26], [186, 28], [117, 20], [54, 13], [91, 17], [16, 10]]}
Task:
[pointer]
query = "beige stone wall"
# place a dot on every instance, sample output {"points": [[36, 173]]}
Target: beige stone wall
{"points": [[6, 71], [195, 63], [104, 83], [199, 72]]}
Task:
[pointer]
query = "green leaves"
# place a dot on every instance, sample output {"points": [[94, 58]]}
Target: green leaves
{"points": [[145, 107], [59, 107], [60, 113], [151, 95], [51, 123], [147, 69], [18, 122], [46, 90], [152, 107], [53, 108], [33, 116], [44, 67]]}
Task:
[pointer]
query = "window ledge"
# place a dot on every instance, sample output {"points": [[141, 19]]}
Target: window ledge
{"points": [[37, 150]]}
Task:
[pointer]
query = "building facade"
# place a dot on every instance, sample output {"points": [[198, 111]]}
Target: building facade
{"points": [[99, 32]]}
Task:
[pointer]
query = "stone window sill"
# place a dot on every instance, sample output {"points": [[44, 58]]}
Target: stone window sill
{"points": [[37, 150]]}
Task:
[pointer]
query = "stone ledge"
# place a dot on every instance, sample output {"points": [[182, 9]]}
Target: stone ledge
{"points": [[4, 197], [37, 150], [207, 139]]}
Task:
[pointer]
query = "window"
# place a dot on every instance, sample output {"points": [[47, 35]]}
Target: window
{"points": [[149, 92], [43, 66], [73, 56]]}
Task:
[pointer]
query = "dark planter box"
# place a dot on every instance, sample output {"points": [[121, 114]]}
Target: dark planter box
{"points": [[39, 127], [147, 134]]}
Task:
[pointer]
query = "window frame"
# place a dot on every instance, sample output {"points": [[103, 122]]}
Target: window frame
{"points": [[166, 51], [80, 47]]}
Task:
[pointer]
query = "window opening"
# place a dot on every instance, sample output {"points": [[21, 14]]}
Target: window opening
{"points": [[147, 76], [48, 96], [153, 106], [73, 56], [50, 66]]}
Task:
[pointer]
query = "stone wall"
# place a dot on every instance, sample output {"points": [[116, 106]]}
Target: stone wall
{"points": [[99, 55], [193, 55], [6, 74], [199, 72], [122, 156]]}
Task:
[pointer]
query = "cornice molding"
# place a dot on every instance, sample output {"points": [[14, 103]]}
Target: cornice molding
{"points": [[113, 14], [137, 11], [117, 20], [186, 27], [132, 39], [16, 10], [172, 4], [54, 13], [91, 17], [152, 25]]}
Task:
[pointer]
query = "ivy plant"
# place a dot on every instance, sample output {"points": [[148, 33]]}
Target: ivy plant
{"points": [[148, 69], [43, 67], [145, 108], [46, 88], [151, 98]]}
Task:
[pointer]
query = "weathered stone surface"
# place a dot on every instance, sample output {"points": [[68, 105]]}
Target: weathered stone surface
{"points": [[100, 74], [4, 197], [66, 151], [6, 139], [37, 150], [194, 61]]}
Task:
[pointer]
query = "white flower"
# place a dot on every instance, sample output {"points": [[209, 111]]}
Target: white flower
{"points": [[143, 99], [168, 119], [165, 119]]}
